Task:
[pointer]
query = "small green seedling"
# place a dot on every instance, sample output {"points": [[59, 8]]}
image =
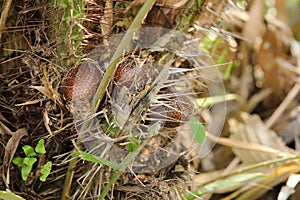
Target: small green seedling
{"points": [[27, 163]]}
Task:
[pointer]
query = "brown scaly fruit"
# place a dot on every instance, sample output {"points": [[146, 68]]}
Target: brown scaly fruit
{"points": [[175, 110], [82, 81]]}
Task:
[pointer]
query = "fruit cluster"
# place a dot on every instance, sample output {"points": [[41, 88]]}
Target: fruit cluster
{"points": [[135, 75]]}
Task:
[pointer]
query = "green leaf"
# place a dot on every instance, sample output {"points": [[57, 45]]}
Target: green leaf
{"points": [[94, 159], [112, 129], [154, 128], [40, 147], [28, 150], [46, 168], [25, 171], [25, 164], [238, 179], [29, 161], [231, 181], [132, 144], [18, 161], [4, 195], [197, 130]]}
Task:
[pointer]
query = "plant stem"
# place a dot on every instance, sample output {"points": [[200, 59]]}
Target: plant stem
{"points": [[5, 12], [122, 166], [68, 180], [124, 44]]}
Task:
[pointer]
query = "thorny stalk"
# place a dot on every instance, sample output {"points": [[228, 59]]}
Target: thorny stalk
{"points": [[126, 40]]}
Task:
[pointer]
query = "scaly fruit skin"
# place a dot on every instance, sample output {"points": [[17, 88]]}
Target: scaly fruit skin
{"points": [[81, 81], [177, 109], [134, 74]]}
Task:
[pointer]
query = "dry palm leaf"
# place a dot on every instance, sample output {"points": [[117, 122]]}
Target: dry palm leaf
{"points": [[252, 129], [10, 147]]}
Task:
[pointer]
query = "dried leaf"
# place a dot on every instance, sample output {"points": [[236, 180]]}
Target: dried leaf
{"points": [[29, 102], [47, 88], [12, 145], [47, 122], [4, 130], [252, 129], [43, 90]]}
